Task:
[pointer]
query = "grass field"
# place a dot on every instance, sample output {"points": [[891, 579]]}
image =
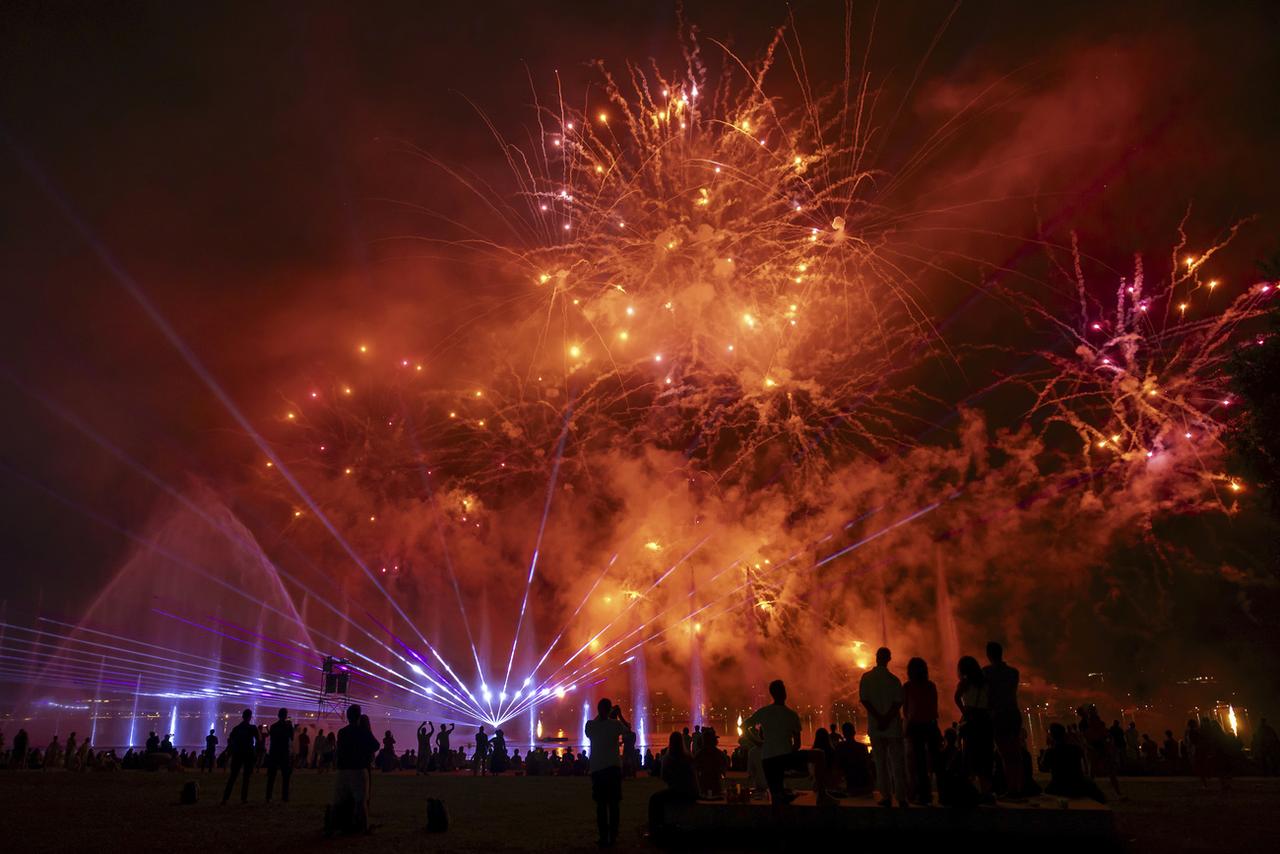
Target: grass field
{"points": [[139, 812]]}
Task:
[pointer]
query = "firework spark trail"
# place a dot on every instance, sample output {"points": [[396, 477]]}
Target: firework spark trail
{"points": [[584, 149], [1139, 389], [792, 244], [730, 284]]}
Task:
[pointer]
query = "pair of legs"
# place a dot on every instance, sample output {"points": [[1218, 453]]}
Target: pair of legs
{"points": [[351, 791], [239, 764], [284, 767], [922, 750], [658, 803], [606, 791], [891, 768], [776, 767], [1101, 762], [1007, 734]]}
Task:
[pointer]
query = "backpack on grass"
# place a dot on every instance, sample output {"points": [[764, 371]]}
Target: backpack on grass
{"points": [[437, 816]]}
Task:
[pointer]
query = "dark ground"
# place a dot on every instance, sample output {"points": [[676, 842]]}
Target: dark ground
{"points": [[139, 812]]}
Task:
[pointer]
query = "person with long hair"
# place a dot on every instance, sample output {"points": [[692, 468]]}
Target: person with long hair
{"points": [[977, 737], [1099, 748], [681, 779], [920, 710], [826, 774]]}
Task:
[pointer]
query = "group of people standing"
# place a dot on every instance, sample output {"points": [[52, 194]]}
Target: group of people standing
{"points": [[354, 749], [488, 756], [244, 746], [908, 746], [969, 763]]}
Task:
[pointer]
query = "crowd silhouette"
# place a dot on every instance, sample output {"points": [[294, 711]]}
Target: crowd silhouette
{"points": [[908, 757]]}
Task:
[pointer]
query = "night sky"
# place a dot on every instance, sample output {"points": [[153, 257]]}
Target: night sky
{"points": [[246, 164]]}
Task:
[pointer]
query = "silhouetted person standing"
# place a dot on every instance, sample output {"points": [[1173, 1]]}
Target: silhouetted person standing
{"points": [[424, 746], [442, 743], [973, 699], [304, 748], [920, 708], [1266, 747], [480, 759], [881, 695], [1006, 716], [210, 751], [605, 732], [279, 759], [242, 747], [353, 754], [18, 757]]}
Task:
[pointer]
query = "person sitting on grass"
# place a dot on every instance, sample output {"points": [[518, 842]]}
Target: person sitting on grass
{"points": [[710, 764], [954, 788], [855, 762], [831, 779], [682, 783], [1064, 762]]}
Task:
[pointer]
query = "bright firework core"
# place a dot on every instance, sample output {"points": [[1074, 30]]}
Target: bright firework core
{"points": [[719, 400]]}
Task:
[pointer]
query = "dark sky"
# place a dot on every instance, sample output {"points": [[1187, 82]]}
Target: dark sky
{"points": [[236, 159]]}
